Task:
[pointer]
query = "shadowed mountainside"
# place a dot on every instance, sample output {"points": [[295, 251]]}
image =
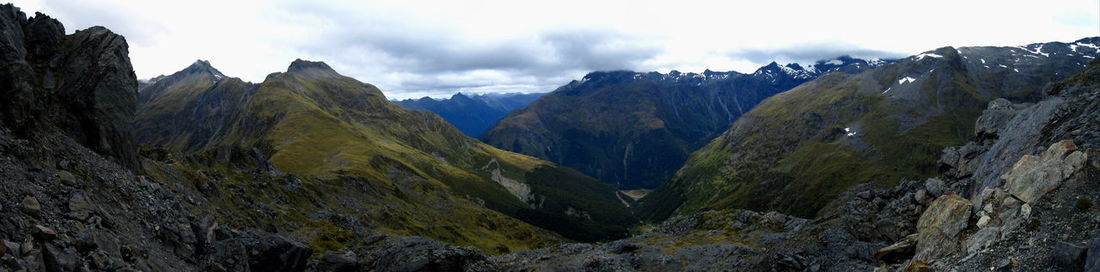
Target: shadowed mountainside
{"points": [[634, 130]]}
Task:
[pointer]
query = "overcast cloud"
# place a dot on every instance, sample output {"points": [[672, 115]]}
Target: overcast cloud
{"points": [[415, 48]]}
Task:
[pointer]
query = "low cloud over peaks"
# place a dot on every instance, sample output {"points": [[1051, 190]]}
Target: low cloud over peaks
{"points": [[809, 53], [441, 47]]}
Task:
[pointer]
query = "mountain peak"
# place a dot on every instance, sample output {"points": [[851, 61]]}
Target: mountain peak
{"points": [[312, 67], [203, 67], [771, 67]]}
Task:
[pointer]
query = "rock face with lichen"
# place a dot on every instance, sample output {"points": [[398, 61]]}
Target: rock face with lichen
{"points": [[1033, 176], [939, 226]]}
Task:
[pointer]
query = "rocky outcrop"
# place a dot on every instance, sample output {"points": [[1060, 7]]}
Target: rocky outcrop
{"points": [[111, 219], [1030, 163], [99, 87], [939, 226], [386, 253], [88, 90], [1033, 176], [72, 199], [271, 252]]}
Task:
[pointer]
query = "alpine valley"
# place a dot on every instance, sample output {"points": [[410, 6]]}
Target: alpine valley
{"points": [[956, 159], [633, 129]]}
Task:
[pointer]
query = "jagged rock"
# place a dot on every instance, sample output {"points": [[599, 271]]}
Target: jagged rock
{"points": [[917, 266], [982, 239], [960, 162], [226, 255], [902, 250], [987, 198], [3, 246], [1033, 176], [90, 240], [205, 229], [66, 177], [1068, 257], [11, 20], [339, 262], [1025, 211], [1003, 265], [26, 247], [419, 254], [939, 226], [30, 205], [59, 259], [44, 233], [993, 119], [80, 207], [44, 36], [273, 252], [100, 89], [984, 220], [922, 197], [790, 262], [1092, 262], [934, 186], [101, 260]]}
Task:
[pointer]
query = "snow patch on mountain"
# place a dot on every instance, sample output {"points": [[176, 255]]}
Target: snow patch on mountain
{"points": [[927, 55]]}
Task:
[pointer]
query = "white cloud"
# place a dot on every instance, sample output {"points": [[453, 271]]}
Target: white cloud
{"points": [[439, 47]]}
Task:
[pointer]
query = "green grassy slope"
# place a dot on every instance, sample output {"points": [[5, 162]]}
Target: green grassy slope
{"points": [[799, 149], [315, 123]]}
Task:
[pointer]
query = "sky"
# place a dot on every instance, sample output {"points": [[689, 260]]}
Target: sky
{"points": [[414, 48]]}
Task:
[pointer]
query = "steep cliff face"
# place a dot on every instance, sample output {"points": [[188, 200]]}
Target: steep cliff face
{"points": [[71, 200], [799, 149], [82, 84]]}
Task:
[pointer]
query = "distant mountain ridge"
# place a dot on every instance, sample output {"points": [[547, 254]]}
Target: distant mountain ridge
{"points": [[635, 129], [472, 114], [797, 150]]}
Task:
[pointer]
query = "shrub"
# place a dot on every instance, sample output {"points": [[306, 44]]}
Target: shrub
{"points": [[1084, 203]]}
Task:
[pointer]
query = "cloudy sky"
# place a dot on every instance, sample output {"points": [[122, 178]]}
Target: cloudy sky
{"points": [[415, 48]]}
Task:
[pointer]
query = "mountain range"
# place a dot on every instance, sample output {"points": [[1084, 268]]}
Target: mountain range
{"points": [[634, 129], [314, 123], [798, 150], [472, 114], [955, 159]]}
